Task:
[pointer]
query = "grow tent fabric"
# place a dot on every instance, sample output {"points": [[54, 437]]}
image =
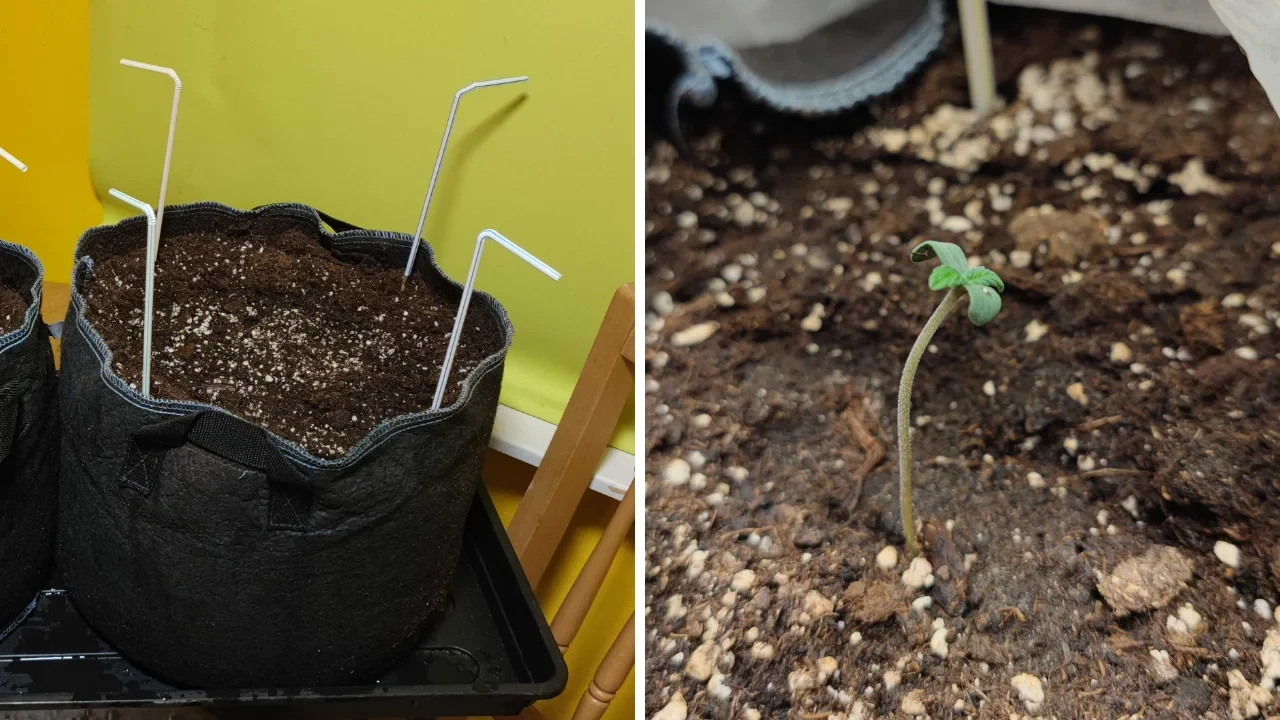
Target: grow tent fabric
{"points": [[1256, 26], [831, 55], [1193, 15]]}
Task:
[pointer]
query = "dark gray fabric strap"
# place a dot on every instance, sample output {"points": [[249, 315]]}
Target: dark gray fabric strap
{"points": [[13, 625], [336, 224], [230, 438]]}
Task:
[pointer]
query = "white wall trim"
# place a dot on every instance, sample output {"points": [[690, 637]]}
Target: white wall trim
{"points": [[526, 438]]}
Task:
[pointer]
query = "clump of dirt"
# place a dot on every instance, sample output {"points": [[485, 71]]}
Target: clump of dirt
{"points": [[13, 309], [1147, 581], [271, 326], [1123, 400]]}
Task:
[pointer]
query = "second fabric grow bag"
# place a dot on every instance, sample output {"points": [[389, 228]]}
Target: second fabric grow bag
{"points": [[28, 443], [217, 554]]}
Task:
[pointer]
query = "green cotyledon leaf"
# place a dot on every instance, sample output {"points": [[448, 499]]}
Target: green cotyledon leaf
{"points": [[984, 303], [982, 276], [944, 277], [949, 254]]}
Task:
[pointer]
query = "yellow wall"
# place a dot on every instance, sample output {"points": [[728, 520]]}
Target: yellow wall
{"points": [[342, 104], [44, 92]]}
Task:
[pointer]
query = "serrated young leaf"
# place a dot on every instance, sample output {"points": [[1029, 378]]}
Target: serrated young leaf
{"points": [[949, 254], [984, 304], [983, 276], [944, 277]]}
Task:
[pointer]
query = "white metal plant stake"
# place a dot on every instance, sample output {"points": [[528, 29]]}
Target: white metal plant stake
{"points": [[153, 245], [979, 61], [173, 125], [13, 160], [444, 144], [467, 289]]}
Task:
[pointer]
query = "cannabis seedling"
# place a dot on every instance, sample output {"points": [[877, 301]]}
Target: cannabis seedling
{"points": [[953, 275]]}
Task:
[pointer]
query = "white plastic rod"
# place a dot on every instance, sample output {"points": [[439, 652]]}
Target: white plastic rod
{"points": [[13, 160], [467, 289], [979, 61], [444, 143], [173, 126], [153, 245]]}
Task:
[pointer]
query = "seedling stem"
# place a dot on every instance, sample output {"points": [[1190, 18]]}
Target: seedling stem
{"points": [[904, 413], [954, 275]]}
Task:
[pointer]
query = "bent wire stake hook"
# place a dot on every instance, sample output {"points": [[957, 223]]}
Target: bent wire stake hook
{"points": [[467, 289], [173, 124], [444, 143], [13, 160], [153, 245]]}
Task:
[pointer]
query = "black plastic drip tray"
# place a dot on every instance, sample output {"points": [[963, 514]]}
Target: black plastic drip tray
{"points": [[492, 654]]}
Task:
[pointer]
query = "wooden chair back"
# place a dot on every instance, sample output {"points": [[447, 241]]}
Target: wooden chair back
{"points": [[564, 476]]}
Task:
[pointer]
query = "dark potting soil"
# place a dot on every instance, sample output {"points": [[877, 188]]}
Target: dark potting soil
{"points": [[12, 310], [1114, 428], [276, 329]]}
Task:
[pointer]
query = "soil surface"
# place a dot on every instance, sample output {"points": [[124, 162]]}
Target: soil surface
{"points": [[1094, 469], [12, 310], [274, 328]]}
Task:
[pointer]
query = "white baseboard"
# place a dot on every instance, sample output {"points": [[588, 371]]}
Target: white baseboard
{"points": [[526, 438]]}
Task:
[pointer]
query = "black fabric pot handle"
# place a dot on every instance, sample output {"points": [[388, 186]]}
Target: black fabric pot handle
{"points": [[232, 439], [336, 224], [10, 410]]}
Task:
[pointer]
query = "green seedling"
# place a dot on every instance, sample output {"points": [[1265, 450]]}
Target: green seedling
{"points": [[956, 277]]}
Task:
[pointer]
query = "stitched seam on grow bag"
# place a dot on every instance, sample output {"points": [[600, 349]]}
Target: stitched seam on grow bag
{"points": [[385, 430], [881, 76], [14, 338]]}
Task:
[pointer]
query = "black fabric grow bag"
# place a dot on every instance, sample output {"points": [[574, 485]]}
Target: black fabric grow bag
{"points": [[217, 554], [28, 443]]}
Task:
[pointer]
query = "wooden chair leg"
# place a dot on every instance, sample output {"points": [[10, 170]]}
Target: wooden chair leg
{"points": [[610, 675], [587, 585], [580, 441]]}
